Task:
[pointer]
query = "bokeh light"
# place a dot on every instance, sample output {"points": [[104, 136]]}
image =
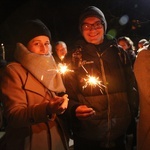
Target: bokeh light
{"points": [[111, 34], [124, 20]]}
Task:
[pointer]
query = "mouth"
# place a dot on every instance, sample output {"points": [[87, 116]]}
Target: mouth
{"points": [[93, 35]]}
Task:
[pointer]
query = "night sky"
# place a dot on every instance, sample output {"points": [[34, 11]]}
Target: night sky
{"points": [[124, 18]]}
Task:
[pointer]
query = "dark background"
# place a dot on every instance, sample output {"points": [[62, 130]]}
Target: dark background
{"points": [[61, 17]]}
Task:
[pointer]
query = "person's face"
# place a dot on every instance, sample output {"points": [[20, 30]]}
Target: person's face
{"points": [[93, 30], [40, 45], [140, 45], [123, 44], [61, 50]]}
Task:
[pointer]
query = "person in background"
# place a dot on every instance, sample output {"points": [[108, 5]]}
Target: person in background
{"points": [[103, 80], [142, 74], [127, 44], [33, 94], [141, 44], [60, 51], [62, 58]]}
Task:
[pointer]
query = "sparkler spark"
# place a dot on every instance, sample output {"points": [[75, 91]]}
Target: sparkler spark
{"points": [[62, 57], [93, 81], [63, 68]]}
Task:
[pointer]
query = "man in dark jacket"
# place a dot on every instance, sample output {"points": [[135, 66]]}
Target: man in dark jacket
{"points": [[102, 80]]}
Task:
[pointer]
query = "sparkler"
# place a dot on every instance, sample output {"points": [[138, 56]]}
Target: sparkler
{"points": [[62, 57], [93, 81], [63, 68]]}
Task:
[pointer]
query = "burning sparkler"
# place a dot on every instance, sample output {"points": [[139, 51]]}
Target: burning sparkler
{"points": [[63, 68], [93, 81], [62, 57]]}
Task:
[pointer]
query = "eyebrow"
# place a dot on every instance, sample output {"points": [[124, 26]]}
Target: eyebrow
{"points": [[92, 23], [40, 41]]}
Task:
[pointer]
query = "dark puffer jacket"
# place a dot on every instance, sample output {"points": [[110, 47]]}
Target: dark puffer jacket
{"points": [[113, 96]]}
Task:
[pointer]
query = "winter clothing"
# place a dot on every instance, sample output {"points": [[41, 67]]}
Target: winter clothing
{"points": [[127, 44], [112, 98], [46, 72], [132, 55], [141, 70], [90, 12], [31, 29], [29, 126]]}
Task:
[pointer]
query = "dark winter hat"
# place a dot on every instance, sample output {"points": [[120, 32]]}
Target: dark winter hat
{"points": [[92, 11], [31, 29]]}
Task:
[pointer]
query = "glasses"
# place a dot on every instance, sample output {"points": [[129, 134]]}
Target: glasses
{"points": [[96, 25]]}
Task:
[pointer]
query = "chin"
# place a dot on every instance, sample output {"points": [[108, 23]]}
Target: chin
{"points": [[94, 42]]}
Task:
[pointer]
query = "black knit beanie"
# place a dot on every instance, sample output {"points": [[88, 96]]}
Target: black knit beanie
{"points": [[92, 11], [30, 29]]}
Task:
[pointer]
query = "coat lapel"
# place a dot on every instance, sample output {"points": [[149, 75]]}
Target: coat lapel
{"points": [[32, 84]]}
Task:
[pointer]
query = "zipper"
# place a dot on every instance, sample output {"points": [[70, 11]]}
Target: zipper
{"points": [[108, 98]]}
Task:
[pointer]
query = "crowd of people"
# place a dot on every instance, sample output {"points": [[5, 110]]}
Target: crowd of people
{"points": [[101, 103]]}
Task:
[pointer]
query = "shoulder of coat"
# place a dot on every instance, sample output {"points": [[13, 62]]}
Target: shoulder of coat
{"points": [[15, 66]]}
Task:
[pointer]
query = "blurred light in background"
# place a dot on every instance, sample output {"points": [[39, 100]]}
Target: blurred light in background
{"points": [[124, 20]]}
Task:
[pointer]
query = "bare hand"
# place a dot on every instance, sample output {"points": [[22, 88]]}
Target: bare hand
{"points": [[83, 112], [64, 105], [58, 105]]}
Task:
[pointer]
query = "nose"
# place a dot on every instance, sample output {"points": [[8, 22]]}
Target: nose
{"points": [[92, 27], [43, 48]]}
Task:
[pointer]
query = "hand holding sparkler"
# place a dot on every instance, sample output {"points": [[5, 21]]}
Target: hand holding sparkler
{"points": [[83, 112], [58, 105], [64, 105]]}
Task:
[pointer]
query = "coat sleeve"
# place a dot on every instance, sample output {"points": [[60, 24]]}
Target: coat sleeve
{"points": [[141, 71], [17, 110]]}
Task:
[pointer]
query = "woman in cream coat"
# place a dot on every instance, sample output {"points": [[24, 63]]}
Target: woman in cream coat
{"points": [[33, 94]]}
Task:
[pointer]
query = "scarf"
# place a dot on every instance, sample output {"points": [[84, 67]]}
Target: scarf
{"points": [[42, 67]]}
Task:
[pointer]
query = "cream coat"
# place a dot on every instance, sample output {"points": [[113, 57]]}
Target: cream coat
{"points": [[142, 74], [25, 100]]}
